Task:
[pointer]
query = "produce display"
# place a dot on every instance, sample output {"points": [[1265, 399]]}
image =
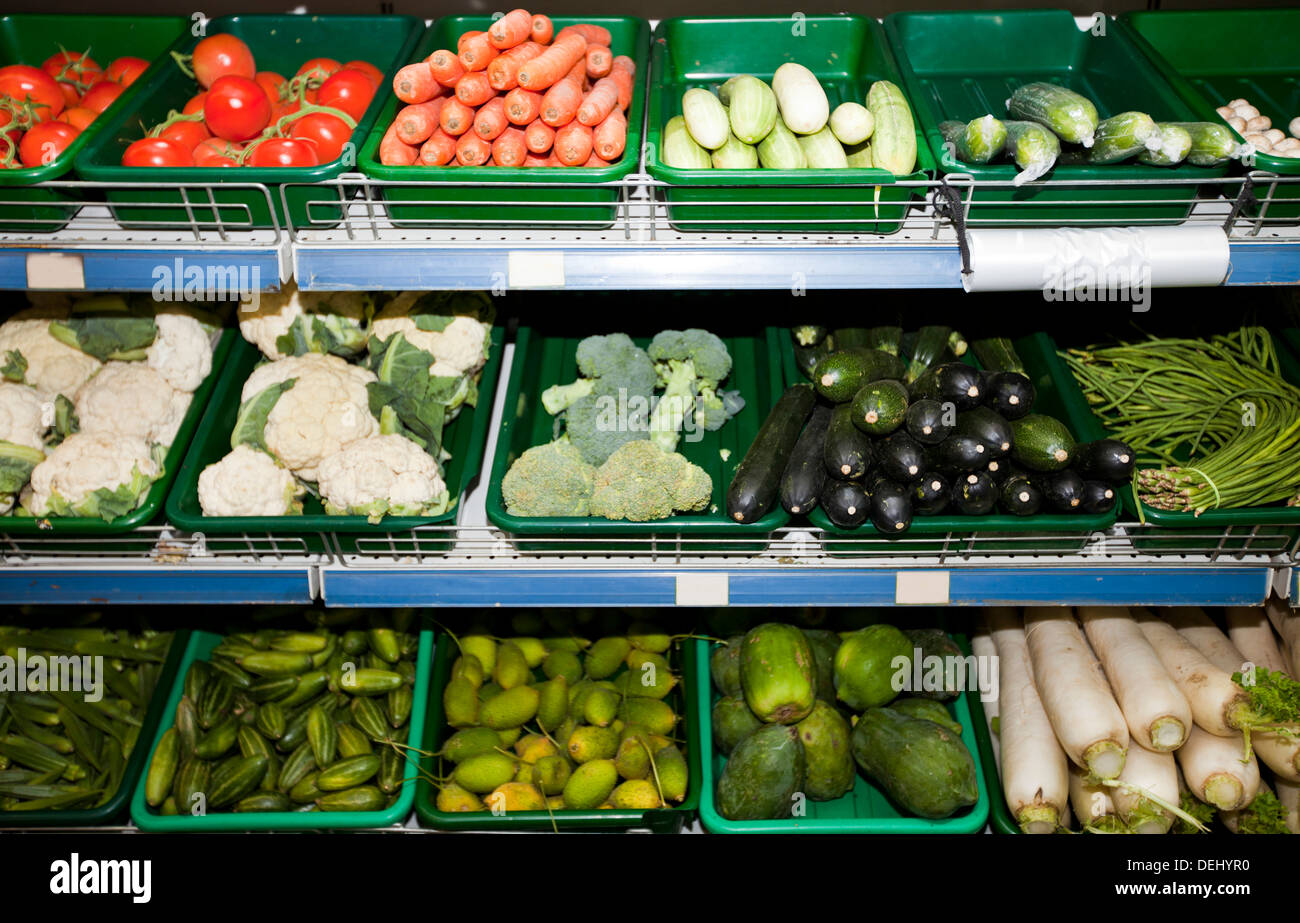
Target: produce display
{"points": [[241, 116], [562, 723], [801, 711], [1258, 129], [63, 749], [521, 94], [92, 393], [1137, 722]]}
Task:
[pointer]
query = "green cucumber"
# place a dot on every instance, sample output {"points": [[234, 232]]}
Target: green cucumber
{"points": [[1174, 143], [842, 374], [1041, 443], [1033, 148], [930, 345], [233, 780], [361, 798], [805, 473], [847, 453], [1122, 136], [1212, 143], [976, 141], [880, 407], [348, 773], [1071, 116], [753, 490]]}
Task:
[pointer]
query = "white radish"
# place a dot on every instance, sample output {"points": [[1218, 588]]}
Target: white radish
{"points": [[1155, 774], [1215, 772], [982, 646], [1218, 704], [1075, 695], [1157, 714], [1260, 815], [1035, 779], [1093, 804], [1287, 625], [1250, 631], [1194, 625], [1279, 752], [1288, 794]]}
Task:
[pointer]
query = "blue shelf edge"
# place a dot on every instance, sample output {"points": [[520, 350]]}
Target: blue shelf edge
{"points": [[258, 586], [138, 269]]}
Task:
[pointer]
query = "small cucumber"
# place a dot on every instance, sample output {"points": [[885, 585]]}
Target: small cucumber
{"points": [[162, 770], [706, 118], [262, 803], [368, 682]]}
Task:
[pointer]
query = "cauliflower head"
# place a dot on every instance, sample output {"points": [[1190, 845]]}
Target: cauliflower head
{"points": [[381, 475], [29, 354], [93, 474], [248, 482], [549, 480], [641, 482], [181, 352], [131, 399], [293, 323], [453, 327], [22, 416]]}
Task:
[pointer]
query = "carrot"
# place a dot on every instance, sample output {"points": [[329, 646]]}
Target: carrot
{"points": [[477, 53], [599, 103], [465, 39], [473, 89], [539, 137], [503, 72], [573, 144], [623, 69], [491, 119], [522, 106], [595, 35], [561, 102], [543, 29], [594, 161], [610, 136], [537, 160], [511, 29], [472, 151], [599, 61], [415, 83], [551, 65], [439, 150], [456, 117], [446, 67], [394, 152], [508, 149], [415, 123]]}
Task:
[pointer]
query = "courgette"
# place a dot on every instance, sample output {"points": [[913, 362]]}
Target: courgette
{"points": [[1098, 498], [754, 488], [846, 503], [974, 494], [953, 382], [1063, 490], [891, 507], [963, 453], [1105, 460], [885, 339], [848, 452], [931, 494], [1033, 148], [901, 458], [1020, 496], [807, 357], [997, 354], [1122, 136], [842, 374], [808, 334], [989, 427], [1041, 443], [929, 348], [1071, 116], [805, 473], [929, 421], [880, 407], [1009, 393], [853, 338]]}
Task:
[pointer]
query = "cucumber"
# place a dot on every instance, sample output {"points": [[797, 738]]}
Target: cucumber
{"points": [[1212, 143], [930, 494], [1063, 490], [891, 507], [885, 339], [988, 426], [963, 453], [751, 107], [848, 451], [931, 343], [1009, 393], [735, 155], [1033, 148], [1020, 496], [805, 473], [858, 156], [901, 458], [361, 798], [1098, 497], [1105, 460], [823, 151], [706, 118], [1122, 136], [679, 150], [997, 354], [952, 382], [976, 141], [893, 142], [1174, 144], [923, 767], [801, 99], [754, 488], [1041, 443], [929, 422], [846, 503], [780, 150], [852, 123], [974, 494], [842, 374], [1071, 116], [880, 407]]}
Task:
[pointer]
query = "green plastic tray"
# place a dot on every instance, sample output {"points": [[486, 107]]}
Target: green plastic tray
{"points": [[1213, 56], [541, 361], [847, 53], [115, 808], [465, 438], [662, 820], [961, 65], [280, 43], [1000, 818], [542, 204], [153, 500], [864, 810], [30, 38], [201, 644]]}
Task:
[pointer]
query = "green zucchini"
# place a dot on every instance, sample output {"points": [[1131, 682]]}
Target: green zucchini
{"points": [[1123, 136], [880, 407], [808, 334], [885, 339], [1020, 496], [678, 149], [1041, 443], [805, 473], [754, 488], [846, 503], [989, 427], [1212, 143], [997, 354], [1175, 143], [1033, 148], [852, 337], [891, 507], [807, 357], [931, 344], [952, 381], [1071, 116], [842, 374], [848, 450]]}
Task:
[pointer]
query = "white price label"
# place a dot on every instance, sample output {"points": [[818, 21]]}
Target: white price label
{"points": [[536, 268], [55, 271], [921, 588], [703, 590]]}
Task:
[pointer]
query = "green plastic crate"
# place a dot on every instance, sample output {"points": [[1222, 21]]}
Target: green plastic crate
{"points": [[115, 809], [542, 204], [465, 438], [200, 646], [30, 38], [280, 43], [55, 526], [961, 65], [866, 809], [661, 820], [541, 361], [1260, 62], [1000, 818], [848, 54]]}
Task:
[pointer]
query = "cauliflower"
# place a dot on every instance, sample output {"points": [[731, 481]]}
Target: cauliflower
{"points": [[93, 474], [381, 475], [453, 327], [28, 353], [181, 352], [549, 480], [22, 416], [292, 323], [248, 483], [132, 399]]}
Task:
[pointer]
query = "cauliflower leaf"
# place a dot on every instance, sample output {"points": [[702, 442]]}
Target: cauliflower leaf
{"points": [[107, 327], [14, 367], [16, 464], [250, 424]]}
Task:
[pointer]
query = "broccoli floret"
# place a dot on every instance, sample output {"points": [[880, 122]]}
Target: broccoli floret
{"points": [[601, 422], [549, 480], [708, 353], [641, 482], [715, 408], [613, 359], [689, 364]]}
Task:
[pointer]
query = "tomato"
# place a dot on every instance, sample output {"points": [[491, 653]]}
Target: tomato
{"points": [[325, 131], [186, 134], [348, 90], [214, 152], [31, 84], [375, 74], [236, 108], [78, 117], [319, 68], [220, 56], [74, 72], [280, 110], [45, 142], [155, 152], [126, 70], [195, 103], [272, 84], [284, 152], [102, 95]]}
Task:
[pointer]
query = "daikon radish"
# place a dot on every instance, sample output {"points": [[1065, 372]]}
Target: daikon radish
{"points": [[1287, 625], [1288, 795], [1250, 631], [1279, 752], [1157, 714], [1075, 695], [1215, 772], [1092, 804], [1218, 704], [1265, 814], [1155, 774], [1035, 778], [1194, 625], [982, 646]]}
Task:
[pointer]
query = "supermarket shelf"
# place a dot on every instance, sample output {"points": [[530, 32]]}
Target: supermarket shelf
{"points": [[54, 585]]}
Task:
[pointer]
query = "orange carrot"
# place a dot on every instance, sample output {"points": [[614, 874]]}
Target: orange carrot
{"points": [[446, 67], [477, 53], [455, 118], [503, 72], [609, 138], [551, 65], [539, 137], [466, 38], [522, 106], [573, 144], [594, 161], [439, 150], [543, 29], [508, 149], [396, 153], [511, 29], [415, 83], [473, 89], [415, 123], [599, 61], [537, 160], [595, 35], [561, 102], [623, 70], [491, 119], [472, 151], [599, 103]]}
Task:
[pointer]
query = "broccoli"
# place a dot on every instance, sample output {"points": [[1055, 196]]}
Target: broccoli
{"points": [[610, 405], [689, 365], [641, 482], [549, 480]]}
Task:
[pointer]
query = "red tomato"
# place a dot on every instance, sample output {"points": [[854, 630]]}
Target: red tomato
{"points": [[271, 83], [126, 70], [284, 152], [280, 110], [78, 117], [13, 134], [74, 72], [236, 108], [375, 74], [348, 90], [31, 84], [195, 104], [320, 68], [186, 134], [155, 152], [45, 142], [219, 56], [102, 95], [214, 152], [325, 131]]}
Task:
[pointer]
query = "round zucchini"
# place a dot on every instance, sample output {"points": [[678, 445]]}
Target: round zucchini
{"points": [[931, 494], [880, 407], [839, 376], [1041, 443]]}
